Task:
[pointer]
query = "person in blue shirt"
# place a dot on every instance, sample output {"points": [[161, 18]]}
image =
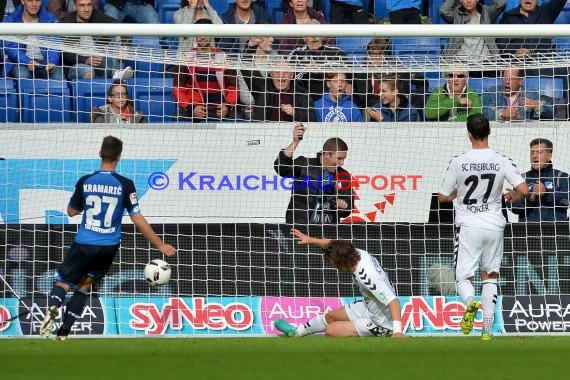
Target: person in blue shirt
{"points": [[102, 196], [32, 60], [547, 200], [335, 105], [393, 105]]}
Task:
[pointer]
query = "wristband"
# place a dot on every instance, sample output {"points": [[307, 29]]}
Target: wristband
{"points": [[396, 327]]}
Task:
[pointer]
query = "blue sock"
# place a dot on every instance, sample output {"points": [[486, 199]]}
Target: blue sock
{"points": [[56, 296], [73, 311]]}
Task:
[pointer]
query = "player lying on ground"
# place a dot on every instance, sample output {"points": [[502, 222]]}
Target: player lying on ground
{"points": [[378, 314]]}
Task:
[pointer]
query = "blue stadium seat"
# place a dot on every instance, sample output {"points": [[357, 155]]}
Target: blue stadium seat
{"points": [[221, 6], [8, 101], [147, 69], [548, 86], [482, 85], [166, 13], [153, 97], [434, 12], [426, 46], [274, 10], [88, 93], [159, 4], [380, 9], [564, 17], [44, 101], [353, 46]]}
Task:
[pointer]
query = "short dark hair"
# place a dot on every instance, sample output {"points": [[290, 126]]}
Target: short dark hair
{"points": [[541, 140], [335, 144], [341, 254], [203, 21], [478, 126], [111, 149]]}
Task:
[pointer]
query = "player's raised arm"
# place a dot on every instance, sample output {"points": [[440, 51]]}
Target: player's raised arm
{"points": [[308, 240], [147, 231]]}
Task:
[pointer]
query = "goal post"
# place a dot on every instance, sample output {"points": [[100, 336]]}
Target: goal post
{"points": [[210, 188]]}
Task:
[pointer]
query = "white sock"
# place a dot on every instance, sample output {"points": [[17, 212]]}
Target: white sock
{"points": [[466, 291], [489, 301], [315, 325]]}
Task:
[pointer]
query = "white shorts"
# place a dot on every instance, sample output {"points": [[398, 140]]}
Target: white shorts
{"points": [[474, 245], [358, 313]]}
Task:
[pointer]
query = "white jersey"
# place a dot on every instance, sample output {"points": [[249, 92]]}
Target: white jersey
{"points": [[376, 288], [478, 177]]}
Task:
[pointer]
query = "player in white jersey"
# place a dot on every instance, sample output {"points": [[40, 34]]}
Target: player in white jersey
{"points": [[476, 179], [378, 314]]}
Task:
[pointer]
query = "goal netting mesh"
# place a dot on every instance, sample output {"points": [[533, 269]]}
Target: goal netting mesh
{"points": [[208, 184]]}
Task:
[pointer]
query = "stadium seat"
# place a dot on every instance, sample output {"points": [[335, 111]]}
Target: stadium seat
{"points": [[44, 101], [380, 9], [430, 47], [221, 6], [274, 10], [434, 12], [87, 94], [482, 85], [8, 101], [161, 3], [353, 46], [147, 69], [153, 97], [548, 86], [166, 12]]}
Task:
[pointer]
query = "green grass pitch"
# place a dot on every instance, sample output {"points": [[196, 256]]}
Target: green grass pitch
{"points": [[310, 358]]}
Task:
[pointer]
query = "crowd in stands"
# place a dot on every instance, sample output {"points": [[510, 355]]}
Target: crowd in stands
{"points": [[298, 79]]}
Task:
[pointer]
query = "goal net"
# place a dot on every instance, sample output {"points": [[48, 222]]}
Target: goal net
{"points": [[201, 139]]}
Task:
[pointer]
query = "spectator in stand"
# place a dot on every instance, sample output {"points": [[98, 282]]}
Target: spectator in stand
{"points": [[310, 62], [206, 93], [243, 12], [393, 105], [348, 12], [260, 54], [142, 11], [317, 196], [191, 11], [32, 61], [404, 11], [284, 99], [63, 8], [119, 108], [8, 7], [91, 66], [298, 13], [367, 85], [511, 101], [454, 101], [548, 197], [471, 12], [530, 13], [336, 105]]}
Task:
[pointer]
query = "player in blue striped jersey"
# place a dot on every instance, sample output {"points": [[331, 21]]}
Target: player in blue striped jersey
{"points": [[103, 197], [378, 314]]}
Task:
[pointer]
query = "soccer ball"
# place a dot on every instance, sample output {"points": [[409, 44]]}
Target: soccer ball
{"points": [[157, 272]]}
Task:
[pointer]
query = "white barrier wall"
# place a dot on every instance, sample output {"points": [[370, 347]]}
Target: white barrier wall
{"points": [[224, 172]]}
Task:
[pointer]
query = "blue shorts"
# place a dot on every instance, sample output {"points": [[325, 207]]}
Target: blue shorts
{"points": [[84, 260]]}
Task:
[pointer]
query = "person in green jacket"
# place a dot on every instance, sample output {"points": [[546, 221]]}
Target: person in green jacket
{"points": [[454, 101]]}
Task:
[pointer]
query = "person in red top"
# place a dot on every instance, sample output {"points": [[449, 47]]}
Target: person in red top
{"points": [[205, 93]]}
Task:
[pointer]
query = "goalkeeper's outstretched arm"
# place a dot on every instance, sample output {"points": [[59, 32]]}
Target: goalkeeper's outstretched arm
{"points": [[308, 240]]}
